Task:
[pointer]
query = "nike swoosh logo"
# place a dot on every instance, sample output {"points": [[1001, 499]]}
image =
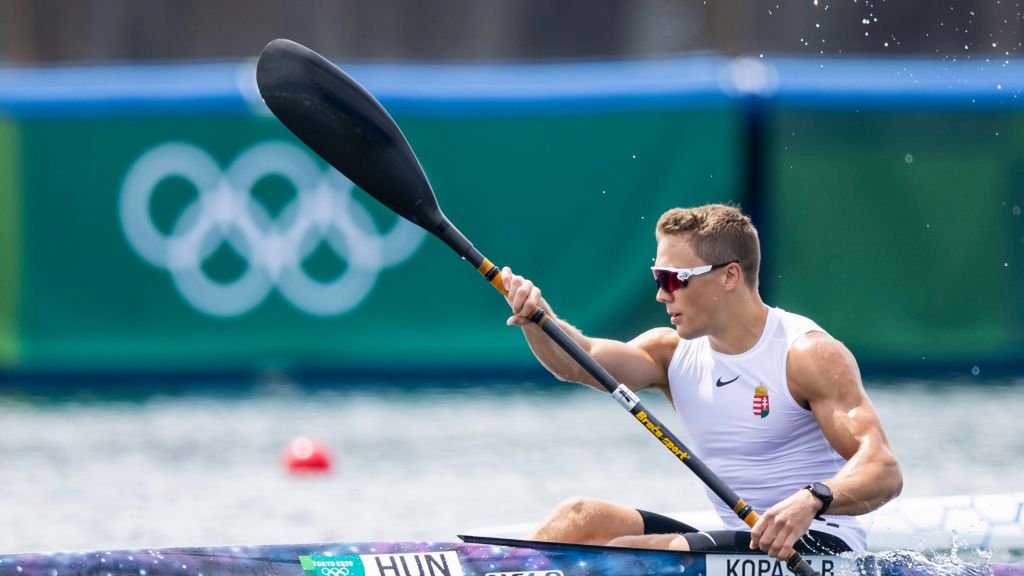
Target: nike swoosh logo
{"points": [[719, 383]]}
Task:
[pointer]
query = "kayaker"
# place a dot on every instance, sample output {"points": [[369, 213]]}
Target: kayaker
{"points": [[773, 404]]}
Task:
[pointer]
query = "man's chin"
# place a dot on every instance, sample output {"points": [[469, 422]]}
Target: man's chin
{"points": [[687, 332]]}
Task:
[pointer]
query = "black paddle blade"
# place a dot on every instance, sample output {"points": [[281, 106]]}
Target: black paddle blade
{"points": [[348, 128]]}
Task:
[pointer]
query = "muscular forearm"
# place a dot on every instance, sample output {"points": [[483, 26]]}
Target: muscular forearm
{"points": [[556, 360], [870, 479], [619, 358]]}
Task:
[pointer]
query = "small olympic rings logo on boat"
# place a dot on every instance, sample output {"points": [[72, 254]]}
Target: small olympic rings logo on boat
{"points": [[339, 571], [322, 212]]}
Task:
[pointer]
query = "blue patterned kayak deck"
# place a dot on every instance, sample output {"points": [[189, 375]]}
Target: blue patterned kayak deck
{"points": [[509, 558]]}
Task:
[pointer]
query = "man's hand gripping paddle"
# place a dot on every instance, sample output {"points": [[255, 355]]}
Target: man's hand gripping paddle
{"points": [[349, 129]]}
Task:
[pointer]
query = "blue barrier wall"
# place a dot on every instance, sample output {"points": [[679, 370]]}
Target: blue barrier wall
{"points": [[886, 191]]}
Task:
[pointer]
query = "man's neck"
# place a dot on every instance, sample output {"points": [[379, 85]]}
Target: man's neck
{"points": [[742, 325]]}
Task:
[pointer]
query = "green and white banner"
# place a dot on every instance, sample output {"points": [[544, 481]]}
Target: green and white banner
{"points": [[158, 218], [217, 240]]}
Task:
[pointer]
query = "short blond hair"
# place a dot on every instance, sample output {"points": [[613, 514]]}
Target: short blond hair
{"points": [[718, 233]]}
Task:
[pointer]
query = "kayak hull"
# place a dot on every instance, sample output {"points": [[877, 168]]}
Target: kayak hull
{"points": [[486, 557]]}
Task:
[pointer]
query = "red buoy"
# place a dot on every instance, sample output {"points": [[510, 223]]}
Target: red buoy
{"points": [[304, 456]]}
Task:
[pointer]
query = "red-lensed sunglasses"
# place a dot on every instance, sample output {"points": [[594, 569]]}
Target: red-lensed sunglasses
{"points": [[672, 279]]}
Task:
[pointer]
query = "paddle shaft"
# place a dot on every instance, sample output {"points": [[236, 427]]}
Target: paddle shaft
{"points": [[628, 400]]}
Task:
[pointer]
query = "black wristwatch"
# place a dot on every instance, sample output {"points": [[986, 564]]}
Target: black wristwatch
{"points": [[821, 492]]}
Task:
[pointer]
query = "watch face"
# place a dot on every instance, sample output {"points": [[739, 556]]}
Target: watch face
{"points": [[821, 490], [823, 493]]}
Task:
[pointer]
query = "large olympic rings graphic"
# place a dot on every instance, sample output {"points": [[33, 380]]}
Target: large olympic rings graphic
{"points": [[323, 211]]}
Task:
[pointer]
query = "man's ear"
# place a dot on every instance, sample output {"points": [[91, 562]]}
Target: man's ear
{"points": [[733, 277]]}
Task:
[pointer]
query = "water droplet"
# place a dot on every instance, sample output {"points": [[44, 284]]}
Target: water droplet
{"points": [[1016, 210], [865, 21], [908, 159], [634, 156], [975, 371], [999, 86]]}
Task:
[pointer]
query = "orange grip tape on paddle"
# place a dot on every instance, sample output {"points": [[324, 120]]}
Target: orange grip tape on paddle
{"points": [[752, 518], [485, 269]]}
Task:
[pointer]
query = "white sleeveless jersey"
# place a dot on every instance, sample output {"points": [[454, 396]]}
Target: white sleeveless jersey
{"points": [[746, 426]]}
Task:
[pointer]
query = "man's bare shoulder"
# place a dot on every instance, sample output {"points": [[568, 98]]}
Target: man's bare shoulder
{"points": [[659, 343], [818, 350], [818, 366]]}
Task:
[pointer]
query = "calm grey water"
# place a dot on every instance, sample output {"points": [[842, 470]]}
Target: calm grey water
{"points": [[413, 462]]}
